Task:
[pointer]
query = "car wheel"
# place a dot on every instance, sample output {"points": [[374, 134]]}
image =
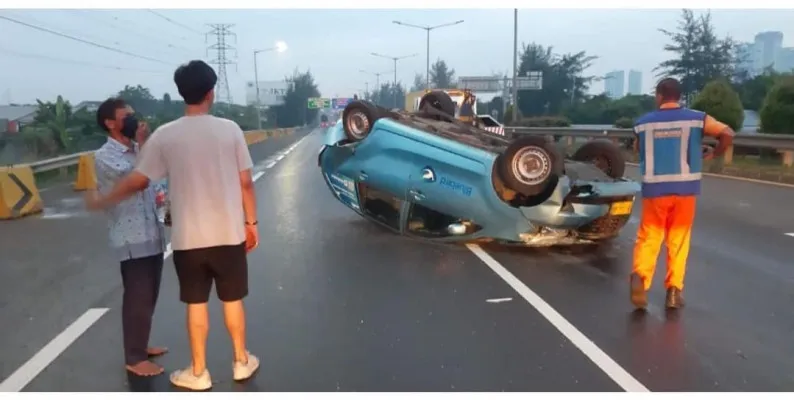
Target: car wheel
{"points": [[358, 118], [530, 165], [440, 101], [605, 155]]}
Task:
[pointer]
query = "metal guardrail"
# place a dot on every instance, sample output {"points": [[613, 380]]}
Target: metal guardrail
{"points": [[758, 140], [67, 161], [782, 143]]}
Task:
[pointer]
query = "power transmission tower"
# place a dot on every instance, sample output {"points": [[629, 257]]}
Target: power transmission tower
{"points": [[221, 47]]}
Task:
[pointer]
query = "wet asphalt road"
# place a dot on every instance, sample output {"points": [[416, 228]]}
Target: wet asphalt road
{"points": [[339, 304]]}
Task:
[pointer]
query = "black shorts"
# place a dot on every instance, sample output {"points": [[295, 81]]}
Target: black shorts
{"points": [[196, 269]]}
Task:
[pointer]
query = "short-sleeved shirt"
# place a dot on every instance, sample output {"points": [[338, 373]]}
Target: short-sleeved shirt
{"points": [[202, 157], [133, 225]]}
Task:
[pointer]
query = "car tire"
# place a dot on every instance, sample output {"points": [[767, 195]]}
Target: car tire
{"points": [[530, 165], [605, 155], [440, 101], [358, 118]]}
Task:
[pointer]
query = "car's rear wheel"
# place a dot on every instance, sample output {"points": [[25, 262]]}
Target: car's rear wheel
{"points": [[440, 101], [530, 165], [358, 118], [605, 155]]}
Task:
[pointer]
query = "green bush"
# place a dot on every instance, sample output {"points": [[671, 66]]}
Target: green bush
{"points": [[624, 123], [777, 113], [719, 100], [544, 122]]}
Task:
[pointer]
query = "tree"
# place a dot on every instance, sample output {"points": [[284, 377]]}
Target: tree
{"points": [[295, 110], [700, 56], [563, 80], [441, 77], [753, 91], [140, 98], [389, 95], [777, 113], [419, 83], [719, 100]]}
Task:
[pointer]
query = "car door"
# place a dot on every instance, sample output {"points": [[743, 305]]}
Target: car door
{"points": [[447, 179], [380, 162]]}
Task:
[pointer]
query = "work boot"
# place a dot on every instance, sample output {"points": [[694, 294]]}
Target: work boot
{"points": [[674, 298], [639, 296]]}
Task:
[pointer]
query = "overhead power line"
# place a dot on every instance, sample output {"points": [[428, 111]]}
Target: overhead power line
{"points": [[174, 22], [76, 62], [88, 42]]}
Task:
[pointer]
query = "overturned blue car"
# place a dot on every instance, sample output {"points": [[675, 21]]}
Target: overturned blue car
{"points": [[428, 175]]}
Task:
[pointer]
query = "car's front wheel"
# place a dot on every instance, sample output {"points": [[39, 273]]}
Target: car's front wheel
{"points": [[530, 165]]}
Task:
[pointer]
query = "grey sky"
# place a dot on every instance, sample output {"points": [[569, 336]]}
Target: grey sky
{"points": [[334, 44]]}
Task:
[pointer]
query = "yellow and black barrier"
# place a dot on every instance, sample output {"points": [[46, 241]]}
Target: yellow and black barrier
{"points": [[86, 173], [19, 195]]}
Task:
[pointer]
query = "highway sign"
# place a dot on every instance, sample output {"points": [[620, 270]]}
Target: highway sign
{"points": [[340, 103], [319, 102], [480, 83]]}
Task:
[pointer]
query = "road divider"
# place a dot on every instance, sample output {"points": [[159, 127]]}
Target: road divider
{"points": [[19, 195]]}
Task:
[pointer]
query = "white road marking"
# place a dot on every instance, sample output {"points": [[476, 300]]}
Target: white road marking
{"points": [[28, 371], [257, 175], [593, 352], [789, 234], [499, 300]]}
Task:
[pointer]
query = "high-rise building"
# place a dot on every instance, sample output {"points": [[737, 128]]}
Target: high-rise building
{"points": [[745, 58], [767, 50], [635, 82], [614, 84], [785, 60]]}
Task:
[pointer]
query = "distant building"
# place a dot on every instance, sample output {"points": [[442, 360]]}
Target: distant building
{"points": [[745, 57], [768, 47], [635, 82], [614, 84], [785, 60], [90, 106], [14, 117]]}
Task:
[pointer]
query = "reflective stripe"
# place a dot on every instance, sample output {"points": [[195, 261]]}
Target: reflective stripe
{"points": [[673, 178]]}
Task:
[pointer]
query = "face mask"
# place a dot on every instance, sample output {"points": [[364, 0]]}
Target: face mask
{"points": [[130, 126]]}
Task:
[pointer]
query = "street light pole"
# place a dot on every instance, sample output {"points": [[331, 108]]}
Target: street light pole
{"points": [[427, 29], [395, 59], [279, 47], [515, 65]]}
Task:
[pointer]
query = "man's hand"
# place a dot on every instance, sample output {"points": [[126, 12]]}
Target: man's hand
{"points": [[93, 200], [142, 133], [251, 237]]}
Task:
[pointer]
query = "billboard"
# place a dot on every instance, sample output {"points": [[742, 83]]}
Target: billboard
{"points": [[271, 93], [340, 102]]}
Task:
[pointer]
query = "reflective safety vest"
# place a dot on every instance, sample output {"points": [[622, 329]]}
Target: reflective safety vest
{"points": [[671, 157]]}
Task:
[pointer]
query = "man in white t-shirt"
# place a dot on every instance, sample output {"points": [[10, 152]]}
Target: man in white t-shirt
{"points": [[213, 214]]}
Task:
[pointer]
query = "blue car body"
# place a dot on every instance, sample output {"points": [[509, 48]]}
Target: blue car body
{"points": [[413, 170]]}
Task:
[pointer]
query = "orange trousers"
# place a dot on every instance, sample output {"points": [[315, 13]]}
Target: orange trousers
{"points": [[665, 219]]}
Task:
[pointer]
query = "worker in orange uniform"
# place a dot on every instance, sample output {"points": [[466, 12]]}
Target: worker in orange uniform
{"points": [[669, 142]]}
